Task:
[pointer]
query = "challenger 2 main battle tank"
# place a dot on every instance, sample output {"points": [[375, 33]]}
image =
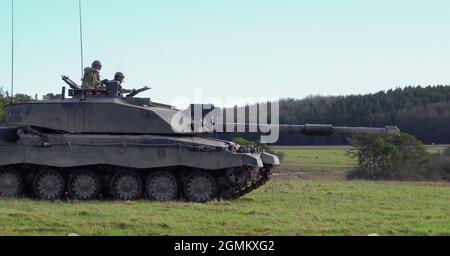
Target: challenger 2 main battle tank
{"points": [[100, 144]]}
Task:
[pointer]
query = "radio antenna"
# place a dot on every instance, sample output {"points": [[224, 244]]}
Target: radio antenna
{"points": [[81, 36], [12, 50]]}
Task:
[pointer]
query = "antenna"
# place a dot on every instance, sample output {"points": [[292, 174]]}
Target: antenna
{"points": [[12, 50], [81, 36]]}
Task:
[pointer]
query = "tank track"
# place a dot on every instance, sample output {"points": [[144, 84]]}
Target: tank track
{"points": [[32, 182], [259, 179]]}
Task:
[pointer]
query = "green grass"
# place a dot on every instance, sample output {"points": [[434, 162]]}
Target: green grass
{"points": [[283, 207], [324, 158], [297, 159]]}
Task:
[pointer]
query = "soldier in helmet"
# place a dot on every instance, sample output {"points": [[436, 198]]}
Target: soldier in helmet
{"points": [[120, 77], [91, 79]]}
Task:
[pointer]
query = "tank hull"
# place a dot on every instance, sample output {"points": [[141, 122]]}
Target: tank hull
{"points": [[103, 157], [139, 152]]}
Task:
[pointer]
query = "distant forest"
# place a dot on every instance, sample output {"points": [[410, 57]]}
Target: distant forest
{"points": [[421, 111]]}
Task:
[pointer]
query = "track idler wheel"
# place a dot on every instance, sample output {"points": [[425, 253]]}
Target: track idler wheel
{"points": [[126, 186], [162, 186], [84, 185], [238, 176], [49, 185], [200, 187], [11, 184]]}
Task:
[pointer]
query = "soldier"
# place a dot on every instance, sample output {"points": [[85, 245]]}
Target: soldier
{"points": [[119, 77], [91, 79]]}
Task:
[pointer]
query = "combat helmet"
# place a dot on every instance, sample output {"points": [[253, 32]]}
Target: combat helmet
{"points": [[97, 64], [119, 76]]}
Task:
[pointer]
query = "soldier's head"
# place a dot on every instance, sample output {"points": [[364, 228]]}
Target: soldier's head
{"points": [[119, 76], [97, 65]]}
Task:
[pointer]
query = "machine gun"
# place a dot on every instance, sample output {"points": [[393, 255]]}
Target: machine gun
{"points": [[136, 92], [70, 83]]}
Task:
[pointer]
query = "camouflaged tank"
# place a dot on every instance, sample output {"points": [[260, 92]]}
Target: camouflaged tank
{"points": [[99, 144]]}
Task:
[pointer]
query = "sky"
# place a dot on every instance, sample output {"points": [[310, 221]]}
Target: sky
{"points": [[247, 49]]}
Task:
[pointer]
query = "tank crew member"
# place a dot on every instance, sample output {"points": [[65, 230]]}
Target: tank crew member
{"points": [[120, 77], [91, 79]]}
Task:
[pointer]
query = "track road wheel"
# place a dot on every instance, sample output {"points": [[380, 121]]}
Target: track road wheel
{"points": [[11, 184], [49, 185], [162, 186], [200, 187], [84, 185], [126, 186]]}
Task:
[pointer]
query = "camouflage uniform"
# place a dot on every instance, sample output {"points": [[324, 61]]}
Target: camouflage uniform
{"points": [[91, 79]]}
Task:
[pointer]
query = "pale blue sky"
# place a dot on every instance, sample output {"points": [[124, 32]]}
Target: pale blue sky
{"points": [[232, 48]]}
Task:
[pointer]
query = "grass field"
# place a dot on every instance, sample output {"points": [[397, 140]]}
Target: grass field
{"points": [[318, 163], [323, 162], [284, 207], [322, 204], [316, 159]]}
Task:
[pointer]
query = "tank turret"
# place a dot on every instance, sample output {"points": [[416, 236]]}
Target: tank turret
{"points": [[122, 115]]}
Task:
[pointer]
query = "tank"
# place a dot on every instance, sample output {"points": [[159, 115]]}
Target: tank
{"points": [[99, 144]]}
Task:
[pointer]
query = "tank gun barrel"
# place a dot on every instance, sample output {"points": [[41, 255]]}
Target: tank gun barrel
{"points": [[318, 129], [330, 130], [387, 130]]}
